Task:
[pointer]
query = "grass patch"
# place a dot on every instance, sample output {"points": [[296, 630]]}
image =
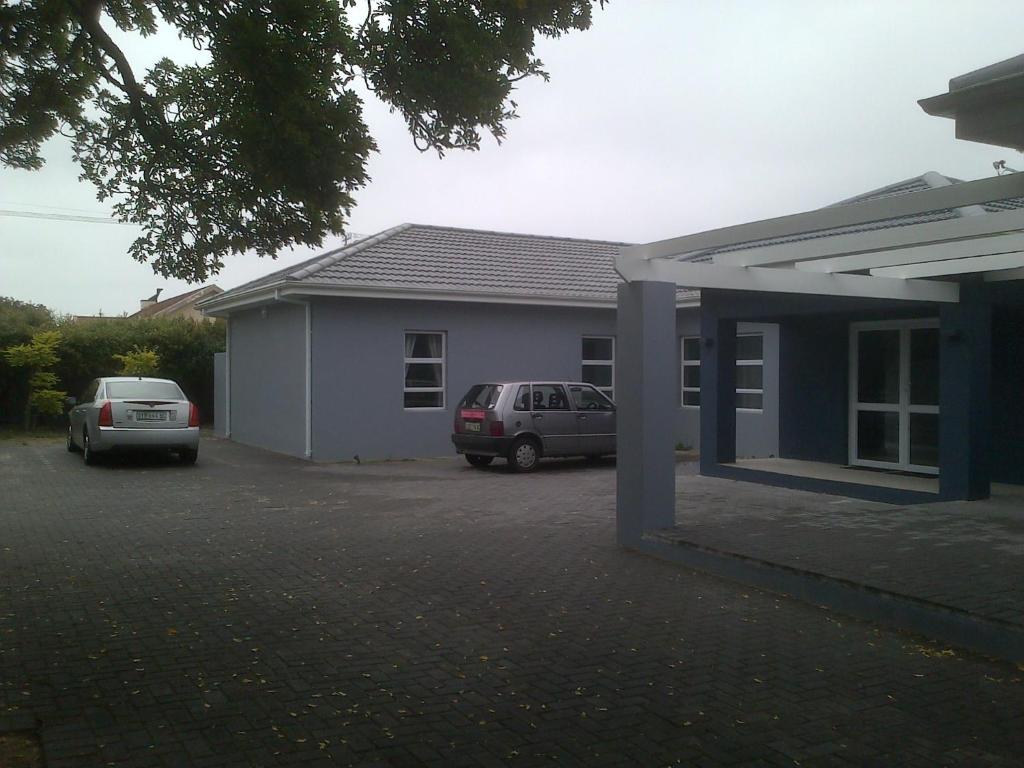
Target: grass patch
{"points": [[14, 433], [20, 749]]}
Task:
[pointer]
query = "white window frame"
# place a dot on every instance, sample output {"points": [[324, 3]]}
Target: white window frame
{"points": [[752, 362], [443, 360], [610, 363], [684, 363], [902, 407]]}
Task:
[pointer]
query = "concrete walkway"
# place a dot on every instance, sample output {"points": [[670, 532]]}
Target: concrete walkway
{"points": [[966, 556]]}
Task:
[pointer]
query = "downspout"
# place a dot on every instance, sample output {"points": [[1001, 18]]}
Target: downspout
{"points": [[227, 377], [309, 365]]}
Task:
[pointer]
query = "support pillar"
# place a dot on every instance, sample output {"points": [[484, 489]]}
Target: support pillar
{"points": [[646, 375], [965, 384], [717, 387]]}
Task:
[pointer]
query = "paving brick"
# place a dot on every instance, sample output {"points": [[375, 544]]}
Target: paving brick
{"points": [[256, 610]]}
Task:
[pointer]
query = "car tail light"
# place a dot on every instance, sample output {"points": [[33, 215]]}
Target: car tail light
{"points": [[106, 415], [458, 425], [193, 415], [497, 429]]}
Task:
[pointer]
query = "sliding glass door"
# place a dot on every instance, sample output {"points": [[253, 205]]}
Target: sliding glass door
{"points": [[894, 395]]}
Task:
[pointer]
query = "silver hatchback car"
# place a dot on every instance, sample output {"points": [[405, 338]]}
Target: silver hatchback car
{"points": [[522, 421], [134, 413]]}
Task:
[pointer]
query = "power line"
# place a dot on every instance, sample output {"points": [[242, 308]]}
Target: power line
{"points": [[64, 217], [64, 208]]}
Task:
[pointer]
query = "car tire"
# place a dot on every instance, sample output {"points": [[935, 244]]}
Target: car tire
{"points": [[524, 455], [477, 460], [72, 448], [188, 455], [88, 455]]}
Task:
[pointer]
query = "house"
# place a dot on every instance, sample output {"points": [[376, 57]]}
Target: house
{"points": [[182, 305], [900, 320], [366, 350]]}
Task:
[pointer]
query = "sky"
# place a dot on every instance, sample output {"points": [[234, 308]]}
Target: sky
{"points": [[667, 117]]}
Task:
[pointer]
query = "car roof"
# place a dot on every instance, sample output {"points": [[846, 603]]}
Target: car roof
{"points": [[530, 381], [137, 378]]}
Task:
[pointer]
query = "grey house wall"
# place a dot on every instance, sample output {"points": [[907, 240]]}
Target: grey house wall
{"points": [[268, 368], [220, 411], [358, 369]]}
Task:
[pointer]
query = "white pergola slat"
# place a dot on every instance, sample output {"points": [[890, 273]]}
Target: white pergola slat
{"points": [[989, 263], [949, 250]]}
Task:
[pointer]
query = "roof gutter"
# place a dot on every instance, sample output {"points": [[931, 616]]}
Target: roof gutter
{"points": [[296, 292]]}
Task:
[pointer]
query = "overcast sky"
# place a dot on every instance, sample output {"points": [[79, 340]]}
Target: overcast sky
{"points": [[666, 117]]}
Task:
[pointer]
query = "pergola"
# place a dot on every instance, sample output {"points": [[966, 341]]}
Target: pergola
{"points": [[945, 263]]}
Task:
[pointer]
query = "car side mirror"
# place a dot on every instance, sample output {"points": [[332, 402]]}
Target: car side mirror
{"points": [[71, 401]]}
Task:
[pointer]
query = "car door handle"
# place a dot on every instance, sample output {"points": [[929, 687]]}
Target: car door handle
{"points": [[581, 415], [537, 415]]}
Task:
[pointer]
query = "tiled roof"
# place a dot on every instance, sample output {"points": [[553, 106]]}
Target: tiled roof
{"points": [[160, 308], [926, 181], [417, 257]]}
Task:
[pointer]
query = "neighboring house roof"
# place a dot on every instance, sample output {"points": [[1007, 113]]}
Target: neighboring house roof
{"points": [[929, 180], [426, 261], [180, 303]]}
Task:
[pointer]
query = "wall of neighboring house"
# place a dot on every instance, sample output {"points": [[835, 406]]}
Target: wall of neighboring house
{"points": [[358, 370], [267, 378]]}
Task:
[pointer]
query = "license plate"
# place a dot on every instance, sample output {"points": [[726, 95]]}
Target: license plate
{"points": [[151, 415], [472, 426]]}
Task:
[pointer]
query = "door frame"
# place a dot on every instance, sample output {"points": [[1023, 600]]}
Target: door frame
{"points": [[903, 407]]}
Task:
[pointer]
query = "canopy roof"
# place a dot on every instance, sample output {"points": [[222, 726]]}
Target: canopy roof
{"points": [[868, 256]]}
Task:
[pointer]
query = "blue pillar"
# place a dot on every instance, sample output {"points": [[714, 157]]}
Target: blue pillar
{"points": [[647, 360], [965, 384], [717, 386]]}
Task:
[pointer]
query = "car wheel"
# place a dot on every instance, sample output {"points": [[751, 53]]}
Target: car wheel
{"points": [[87, 452], [188, 455], [477, 460], [72, 448], [524, 455]]}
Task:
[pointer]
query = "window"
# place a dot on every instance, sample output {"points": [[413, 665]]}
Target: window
{"points": [[482, 396], [549, 397], [749, 372], [590, 399], [145, 390], [691, 371], [424, 370], [599, 363]]}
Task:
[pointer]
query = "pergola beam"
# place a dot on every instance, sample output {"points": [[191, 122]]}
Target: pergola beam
{"points": [[941, 198], [989, 263], [950, 250], [774, 280]]}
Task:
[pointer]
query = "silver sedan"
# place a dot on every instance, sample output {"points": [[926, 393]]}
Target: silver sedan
{"points": [[134, 413]]}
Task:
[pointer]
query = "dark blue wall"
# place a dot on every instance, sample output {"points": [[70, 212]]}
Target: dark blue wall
{"points": [[1008, 395], [813, 388]]}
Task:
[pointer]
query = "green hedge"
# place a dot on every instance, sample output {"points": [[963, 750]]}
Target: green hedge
{"points": [[87, 350]]}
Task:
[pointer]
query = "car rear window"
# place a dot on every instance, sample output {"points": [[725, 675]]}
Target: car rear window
{"points": [[146, 390], [481, 396]]}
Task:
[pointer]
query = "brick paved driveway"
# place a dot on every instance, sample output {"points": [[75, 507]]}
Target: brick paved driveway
{"points": [[256, 610]]}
